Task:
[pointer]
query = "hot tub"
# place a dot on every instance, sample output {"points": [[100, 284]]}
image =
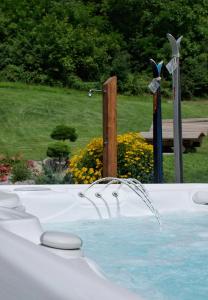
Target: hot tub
{"points": [[154, 261]]}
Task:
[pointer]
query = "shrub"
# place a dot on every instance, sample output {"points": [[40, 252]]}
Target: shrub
{"points": [[77, 83], [10, 160], [11, 73], [58, 150], [135, 159], [20, 172], [48, 176], [63, 132], [194, 79], [136, 84]]}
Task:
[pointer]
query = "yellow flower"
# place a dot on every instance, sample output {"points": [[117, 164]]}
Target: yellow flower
{"points": [[91, 171], [134, 155]]}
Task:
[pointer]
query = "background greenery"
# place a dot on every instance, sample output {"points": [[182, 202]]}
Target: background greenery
{"points": [[29, 113], [79, 43]]}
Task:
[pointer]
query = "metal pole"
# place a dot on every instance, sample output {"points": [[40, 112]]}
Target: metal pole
{"points": [[177, 127], [157, 123]]}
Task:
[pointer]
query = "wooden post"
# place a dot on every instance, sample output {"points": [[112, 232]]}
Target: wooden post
{"points": [[110, 128]]}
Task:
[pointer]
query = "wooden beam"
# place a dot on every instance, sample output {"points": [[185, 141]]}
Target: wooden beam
{"points": [[110, 127]]}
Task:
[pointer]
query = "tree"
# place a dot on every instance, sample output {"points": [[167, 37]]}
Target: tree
{"points": [[77, 43]]}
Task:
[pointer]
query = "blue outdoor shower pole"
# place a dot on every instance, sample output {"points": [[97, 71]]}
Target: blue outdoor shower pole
{"points": [[157, 122]]}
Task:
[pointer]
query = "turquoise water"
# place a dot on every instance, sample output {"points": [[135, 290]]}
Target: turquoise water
{"points": [[166, 264]]}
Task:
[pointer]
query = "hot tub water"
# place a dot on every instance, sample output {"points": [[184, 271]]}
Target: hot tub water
{"points": [[167, 264]]}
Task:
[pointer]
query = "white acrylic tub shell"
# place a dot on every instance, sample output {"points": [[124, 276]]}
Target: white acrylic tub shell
{"points": [[10, 200], [62, 204], [21, 223], [30, 271]]}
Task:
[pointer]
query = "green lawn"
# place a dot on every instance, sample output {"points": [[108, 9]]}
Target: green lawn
{"points": [[29, 113]]}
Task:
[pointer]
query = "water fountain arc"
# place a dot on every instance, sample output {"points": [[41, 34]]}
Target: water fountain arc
{"points": [[132, 184]]}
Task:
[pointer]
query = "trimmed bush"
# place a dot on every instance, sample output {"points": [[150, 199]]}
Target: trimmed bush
{"points": [[58, 150], [135, 159], [63, 132]]}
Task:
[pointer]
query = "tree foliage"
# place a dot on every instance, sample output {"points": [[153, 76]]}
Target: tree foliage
{"points": [[67, 42]]}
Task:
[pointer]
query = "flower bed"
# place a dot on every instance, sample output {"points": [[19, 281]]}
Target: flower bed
{"points": [[135, 159], [4, 172]]}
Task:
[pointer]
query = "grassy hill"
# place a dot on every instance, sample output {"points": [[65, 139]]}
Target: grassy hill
{"points": [[29, 113]]}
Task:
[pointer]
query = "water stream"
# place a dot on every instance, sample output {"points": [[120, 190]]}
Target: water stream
{"points": [[133, 184]]}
